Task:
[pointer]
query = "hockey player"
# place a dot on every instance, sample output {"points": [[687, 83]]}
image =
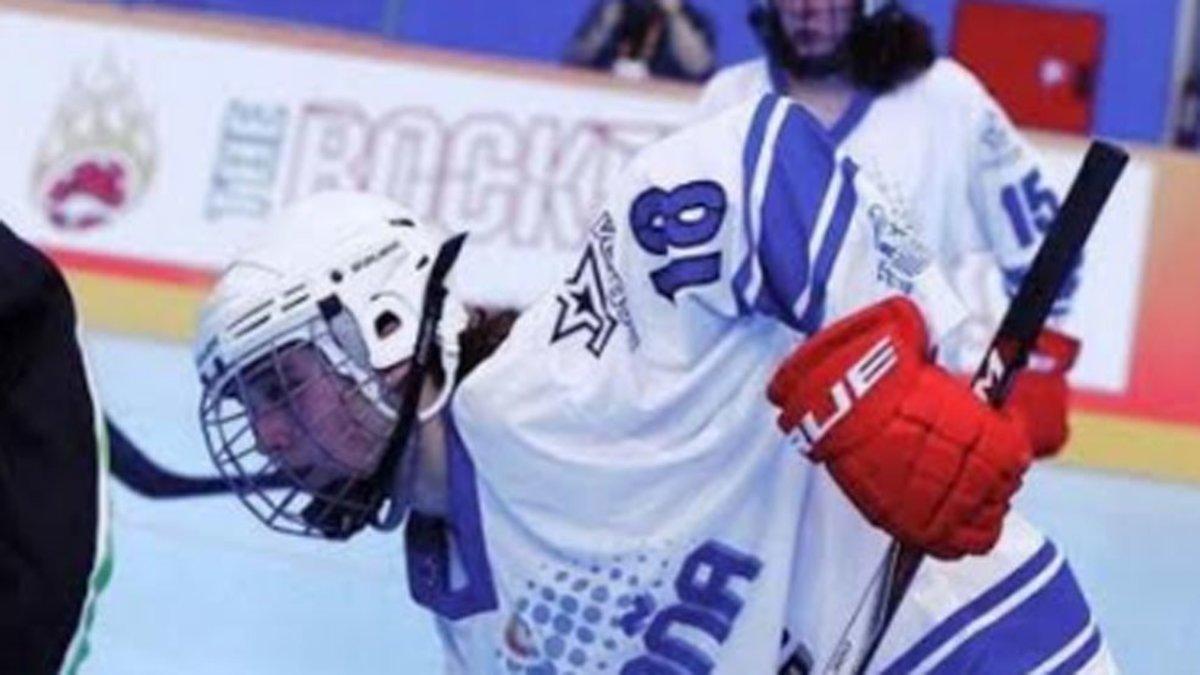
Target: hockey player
{"points": [[607, 490], [54, 558], [865, 71]]}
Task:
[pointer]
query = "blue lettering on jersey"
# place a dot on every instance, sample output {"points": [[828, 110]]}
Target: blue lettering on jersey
{"points": [[683, 218], [1031, 209], [1029, 200], [706, 604]]}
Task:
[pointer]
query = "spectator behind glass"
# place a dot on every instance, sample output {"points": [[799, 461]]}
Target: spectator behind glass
{"points": [[637, 38]]}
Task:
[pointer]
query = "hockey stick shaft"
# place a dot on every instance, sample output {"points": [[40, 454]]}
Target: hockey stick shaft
{"points": [[1018, 331], [138, 472]]}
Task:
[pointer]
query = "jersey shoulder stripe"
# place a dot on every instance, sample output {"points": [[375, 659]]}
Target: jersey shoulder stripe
{"points": [[802, 165], [933, 645], [1035, 619], [1083, 655], [794, 197], [428, 543], [1028, 635], [812, 316], [768, 115]]}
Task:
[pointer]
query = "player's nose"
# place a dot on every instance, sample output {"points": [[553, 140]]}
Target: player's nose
{"points": [[274, 431]]}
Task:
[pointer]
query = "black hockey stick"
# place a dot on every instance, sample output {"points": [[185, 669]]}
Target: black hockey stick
{"points": [[1018, 331], [139, 473]]}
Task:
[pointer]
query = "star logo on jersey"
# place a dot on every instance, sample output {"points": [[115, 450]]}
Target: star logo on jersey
{"points": [[583, 306]]}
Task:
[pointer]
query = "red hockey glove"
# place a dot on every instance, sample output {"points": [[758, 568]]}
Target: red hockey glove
{"points": [[1039, 396], [915, 450]]}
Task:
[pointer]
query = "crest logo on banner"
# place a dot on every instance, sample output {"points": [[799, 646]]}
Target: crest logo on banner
{"points": [[99, 153]]}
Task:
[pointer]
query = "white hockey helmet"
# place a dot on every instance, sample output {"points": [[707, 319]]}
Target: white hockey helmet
{"points": [[345, 276]]}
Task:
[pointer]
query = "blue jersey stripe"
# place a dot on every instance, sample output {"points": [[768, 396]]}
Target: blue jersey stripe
{"points": [[814, 315], [1026, 636], [751, 153], [973, 610], [1082, 657], [428, 550], [845, 125], [800, 173]]}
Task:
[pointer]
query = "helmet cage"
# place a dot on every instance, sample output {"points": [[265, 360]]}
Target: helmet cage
{"points": [[346, 276], [299, 497]]}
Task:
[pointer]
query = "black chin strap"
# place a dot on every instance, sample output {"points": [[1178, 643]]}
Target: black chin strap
{"points": [[336, 520], [423, 356]]}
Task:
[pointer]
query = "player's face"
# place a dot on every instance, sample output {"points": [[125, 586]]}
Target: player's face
{"points": [[314, 421], [816, 27]]}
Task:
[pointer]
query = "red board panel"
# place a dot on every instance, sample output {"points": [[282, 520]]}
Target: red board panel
{"points": [[1041, 64]]}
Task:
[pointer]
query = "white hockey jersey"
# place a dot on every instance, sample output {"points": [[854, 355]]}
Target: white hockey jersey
{"points": [[620, 498], [942, 147]]}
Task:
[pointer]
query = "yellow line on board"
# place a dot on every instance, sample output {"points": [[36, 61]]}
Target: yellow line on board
{"points": [[136, 307], [1152, 449]]}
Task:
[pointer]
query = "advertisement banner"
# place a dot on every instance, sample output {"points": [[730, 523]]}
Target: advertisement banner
{"points": [[153, 147], [175, 148]]}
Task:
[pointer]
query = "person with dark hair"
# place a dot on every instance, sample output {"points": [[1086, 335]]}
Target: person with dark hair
{"points": [[687, 456], [866, 73], [874, 45], [54, 558], [638, 38]]}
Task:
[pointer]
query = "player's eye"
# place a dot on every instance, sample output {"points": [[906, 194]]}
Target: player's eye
{"points": [[265, 390], [274, 392], [292, 379]]}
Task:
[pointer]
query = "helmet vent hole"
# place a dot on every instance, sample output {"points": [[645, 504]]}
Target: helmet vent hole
{"points": [[294, 302], [252, 319], [386, 324], [402, 222], [422, 262], [336, 276]]}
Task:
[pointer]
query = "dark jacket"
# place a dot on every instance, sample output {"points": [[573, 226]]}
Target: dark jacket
{"points": [[49, 464]]}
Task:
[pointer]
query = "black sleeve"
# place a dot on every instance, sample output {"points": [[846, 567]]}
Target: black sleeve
{"points": [[49, 459]]}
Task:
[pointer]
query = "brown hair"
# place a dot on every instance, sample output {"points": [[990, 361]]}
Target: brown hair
{"points": [[889, 49], [487, 330], [879, 53]]}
